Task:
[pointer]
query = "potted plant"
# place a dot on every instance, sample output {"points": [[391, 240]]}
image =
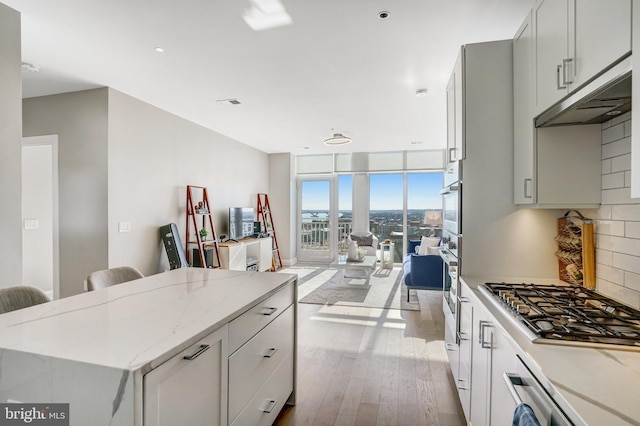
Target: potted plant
{"points": [[203, 234]]}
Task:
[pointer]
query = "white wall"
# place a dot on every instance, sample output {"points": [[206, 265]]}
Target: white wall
{"points": [[282, 199], [152, 156], [10, 148], [617, 224], [80, 121]]}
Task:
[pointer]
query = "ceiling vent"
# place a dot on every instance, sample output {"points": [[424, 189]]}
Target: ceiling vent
{"points": [[228, 102]]}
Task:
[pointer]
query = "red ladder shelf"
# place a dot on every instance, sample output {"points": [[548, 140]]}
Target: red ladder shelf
{"points": [[266, 220], [201, 209]]}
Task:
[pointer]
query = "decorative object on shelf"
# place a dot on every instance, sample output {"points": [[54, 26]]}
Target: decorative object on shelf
{"points": [[576, 250], [203, 234]]}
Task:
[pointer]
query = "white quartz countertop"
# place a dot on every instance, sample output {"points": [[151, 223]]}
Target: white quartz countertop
{"points": [[601, 386], [133, 324]]}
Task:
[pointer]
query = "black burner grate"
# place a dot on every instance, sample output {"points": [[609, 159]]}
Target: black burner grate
{"points": [[570, 313]]}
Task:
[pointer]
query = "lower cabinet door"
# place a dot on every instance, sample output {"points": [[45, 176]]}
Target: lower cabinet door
{"points": [[190, 389]]}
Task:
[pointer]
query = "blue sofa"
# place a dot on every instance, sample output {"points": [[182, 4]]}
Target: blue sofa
{"points": [[422, 271]]}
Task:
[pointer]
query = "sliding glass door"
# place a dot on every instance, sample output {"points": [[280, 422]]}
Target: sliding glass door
{"points": [[315, 219]]}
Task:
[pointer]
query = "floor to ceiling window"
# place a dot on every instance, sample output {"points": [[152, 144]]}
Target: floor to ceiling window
{"points": [[405, 206], [395, 195], [386, 209]]}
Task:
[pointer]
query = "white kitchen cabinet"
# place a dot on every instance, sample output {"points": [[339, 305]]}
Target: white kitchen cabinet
{"points": [[465, 339], [503, 360], [492, 355], [456, 111], [551, 19], [190, 388], [555, 167], [602, 36], [480, 367], [523, 94], [574, 41]]}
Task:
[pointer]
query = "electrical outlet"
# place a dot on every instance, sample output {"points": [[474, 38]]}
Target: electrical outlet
{"points": [[124, 226]]}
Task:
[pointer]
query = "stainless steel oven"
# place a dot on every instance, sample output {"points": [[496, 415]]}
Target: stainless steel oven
{"points": [[450, 252]]}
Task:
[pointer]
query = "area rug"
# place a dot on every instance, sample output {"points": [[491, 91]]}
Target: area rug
{"points": [[323, 286]]}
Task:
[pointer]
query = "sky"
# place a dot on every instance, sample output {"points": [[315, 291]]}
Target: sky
{"points": [[386, 192]]}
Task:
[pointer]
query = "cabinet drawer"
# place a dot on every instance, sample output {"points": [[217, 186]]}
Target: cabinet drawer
{"points": [[268, 402], [248, 324], [250, 366]]}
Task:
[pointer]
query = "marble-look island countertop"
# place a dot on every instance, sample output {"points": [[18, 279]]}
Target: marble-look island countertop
{"points": [[595, 386], [137, 324]]}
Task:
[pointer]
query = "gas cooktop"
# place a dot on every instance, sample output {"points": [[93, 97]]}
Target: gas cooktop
{"points": [[570, 313]]}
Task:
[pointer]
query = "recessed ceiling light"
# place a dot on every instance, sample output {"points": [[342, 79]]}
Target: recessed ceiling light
{"points": [[337, 139], [416, 142], [383, 14], [159, 49], [421, 93], [614, 112], [26, 66]]}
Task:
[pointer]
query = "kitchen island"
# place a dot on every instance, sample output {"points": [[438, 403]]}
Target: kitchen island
{"points": [[114, 354], [592, 385]]}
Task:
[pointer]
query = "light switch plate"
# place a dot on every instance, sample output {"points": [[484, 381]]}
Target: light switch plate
{"points": [[31, 224]]}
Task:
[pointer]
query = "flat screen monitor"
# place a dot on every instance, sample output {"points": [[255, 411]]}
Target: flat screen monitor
{"points": [[240, 222]]}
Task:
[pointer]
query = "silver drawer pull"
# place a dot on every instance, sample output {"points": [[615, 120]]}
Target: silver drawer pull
{"points": [[270, 352], [270, 406], [462, 336], [199, 352], [463, 299], [460, 387], [451, 347], [268, 311]]}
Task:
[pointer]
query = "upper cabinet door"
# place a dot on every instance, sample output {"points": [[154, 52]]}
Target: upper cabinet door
{"points": [[602, 36], [523, 131], [455, 112], [451, 119], [552, 59]]}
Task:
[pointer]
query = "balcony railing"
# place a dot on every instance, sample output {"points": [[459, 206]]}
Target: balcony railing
{"points": [[316, 235]]}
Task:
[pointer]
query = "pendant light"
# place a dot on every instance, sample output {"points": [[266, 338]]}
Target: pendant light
{"points": [[337, 139]]}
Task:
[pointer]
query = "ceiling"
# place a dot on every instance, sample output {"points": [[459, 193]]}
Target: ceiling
{"points": [[337, 67]]}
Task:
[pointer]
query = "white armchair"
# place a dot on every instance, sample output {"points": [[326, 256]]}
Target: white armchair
{"points": [[363, 239]]}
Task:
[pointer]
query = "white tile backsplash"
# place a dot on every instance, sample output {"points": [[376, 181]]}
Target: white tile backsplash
{"points": [[617, 222], [617, 148]]}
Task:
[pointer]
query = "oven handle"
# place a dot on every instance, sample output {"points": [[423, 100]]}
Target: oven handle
{"points": [[513, 380], [453, 272], [449, 189]]}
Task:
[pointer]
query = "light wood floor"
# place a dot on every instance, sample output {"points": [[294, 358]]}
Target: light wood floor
{"points": [[364, 366]]}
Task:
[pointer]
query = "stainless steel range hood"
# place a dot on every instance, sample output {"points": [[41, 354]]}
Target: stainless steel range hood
{"points": [[600, 100]]}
